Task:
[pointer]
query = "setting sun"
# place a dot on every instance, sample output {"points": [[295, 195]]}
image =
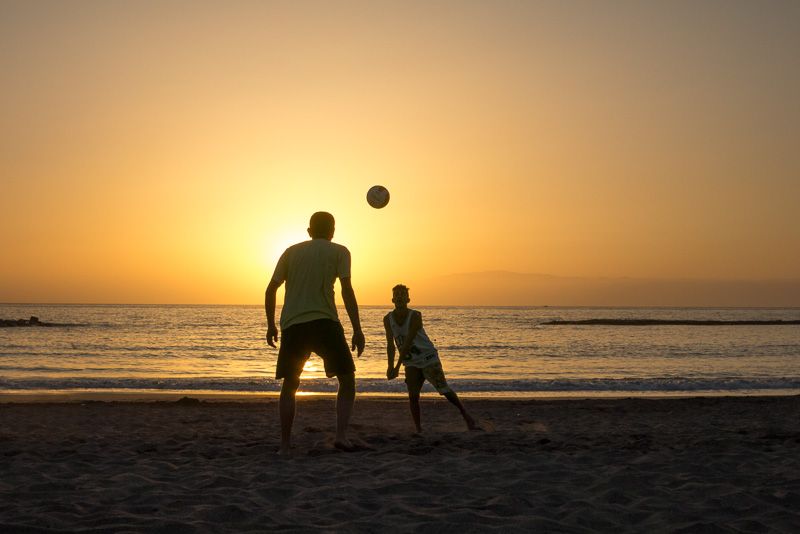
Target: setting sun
{"points": [[137, 168]]}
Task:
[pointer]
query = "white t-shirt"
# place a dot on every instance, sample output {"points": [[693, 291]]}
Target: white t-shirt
{"points": [[310, 269], [422, 352]]}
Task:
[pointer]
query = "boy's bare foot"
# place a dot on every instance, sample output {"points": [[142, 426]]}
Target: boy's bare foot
{"points": [[471, 424]]}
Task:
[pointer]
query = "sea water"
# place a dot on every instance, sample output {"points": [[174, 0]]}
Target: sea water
{"points": [[505, 351]]}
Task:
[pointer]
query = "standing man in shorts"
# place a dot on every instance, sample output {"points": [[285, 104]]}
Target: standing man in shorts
{"points": [[310, 323], [418, 354]]}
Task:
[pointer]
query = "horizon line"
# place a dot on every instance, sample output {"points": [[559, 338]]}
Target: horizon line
{"points": [[389, 305], [621, 277]]}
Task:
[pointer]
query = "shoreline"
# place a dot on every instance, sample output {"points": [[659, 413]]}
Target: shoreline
{"points": [[145, 396]]}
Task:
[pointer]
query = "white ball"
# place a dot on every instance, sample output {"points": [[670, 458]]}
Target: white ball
{"points": [[378, 196]]}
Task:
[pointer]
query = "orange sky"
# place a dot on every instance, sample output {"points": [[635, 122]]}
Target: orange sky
{"points": [[167, 152]]}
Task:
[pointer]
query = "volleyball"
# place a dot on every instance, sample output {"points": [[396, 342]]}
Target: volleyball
{"points": [[378, 196]]}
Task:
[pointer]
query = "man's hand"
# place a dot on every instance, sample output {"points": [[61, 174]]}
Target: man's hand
{"points": [[272, 335], [358, 341]]}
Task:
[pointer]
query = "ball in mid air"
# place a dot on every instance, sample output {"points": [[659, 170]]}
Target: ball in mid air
{"points": [[378, 196]]}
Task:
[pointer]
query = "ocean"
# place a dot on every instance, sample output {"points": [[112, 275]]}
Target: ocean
{"points": [[487, 351]]}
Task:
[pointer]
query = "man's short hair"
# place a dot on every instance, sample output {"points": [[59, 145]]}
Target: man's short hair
{"points": [[321, 224], [400, 288]]}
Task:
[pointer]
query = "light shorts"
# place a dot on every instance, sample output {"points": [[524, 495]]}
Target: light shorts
{"points": [[416, 376]]}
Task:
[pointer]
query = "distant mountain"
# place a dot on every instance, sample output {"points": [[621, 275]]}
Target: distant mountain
{"points": [[505, 288]]}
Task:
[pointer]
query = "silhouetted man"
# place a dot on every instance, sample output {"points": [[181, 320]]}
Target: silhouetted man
{"points": [[309, 322]]}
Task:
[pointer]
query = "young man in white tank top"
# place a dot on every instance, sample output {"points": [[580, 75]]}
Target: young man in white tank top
{"points": [[418, 354]]}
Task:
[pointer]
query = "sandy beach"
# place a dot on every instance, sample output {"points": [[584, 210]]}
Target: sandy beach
{"points": [[729, 464]]}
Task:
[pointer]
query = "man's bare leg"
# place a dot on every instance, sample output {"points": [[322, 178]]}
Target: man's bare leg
{"points": [[453, 398], [345, 399], [288, 404]]}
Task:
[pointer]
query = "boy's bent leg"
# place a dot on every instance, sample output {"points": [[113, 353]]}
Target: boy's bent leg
{"points": [[288, 404], [453, 398], [435, 375], [345, 399]]}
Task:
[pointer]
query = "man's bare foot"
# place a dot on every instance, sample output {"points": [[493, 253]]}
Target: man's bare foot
{"points": [[345, 445], [348, 445]]}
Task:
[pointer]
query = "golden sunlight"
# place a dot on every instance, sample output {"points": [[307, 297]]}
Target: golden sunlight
{"points": [[162, 175]]}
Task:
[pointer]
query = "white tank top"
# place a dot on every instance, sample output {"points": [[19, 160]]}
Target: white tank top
{"points": [[422, 352]]}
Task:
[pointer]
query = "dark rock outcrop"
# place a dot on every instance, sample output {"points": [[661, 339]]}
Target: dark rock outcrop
{"points": [[33, 321], [661, 322]]}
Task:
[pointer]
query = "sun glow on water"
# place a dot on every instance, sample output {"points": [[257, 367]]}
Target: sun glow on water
{"points": [[313, 369]]}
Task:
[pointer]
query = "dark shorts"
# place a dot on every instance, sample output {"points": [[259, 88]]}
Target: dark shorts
{"points": [[323, 337]]}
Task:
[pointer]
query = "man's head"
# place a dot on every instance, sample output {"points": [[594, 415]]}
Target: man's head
{"points": [[400, 296], [321, 225]]}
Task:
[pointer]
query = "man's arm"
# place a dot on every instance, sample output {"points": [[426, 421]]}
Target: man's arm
{"points": [[351, 305], [391, 371], [269, 309]]}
